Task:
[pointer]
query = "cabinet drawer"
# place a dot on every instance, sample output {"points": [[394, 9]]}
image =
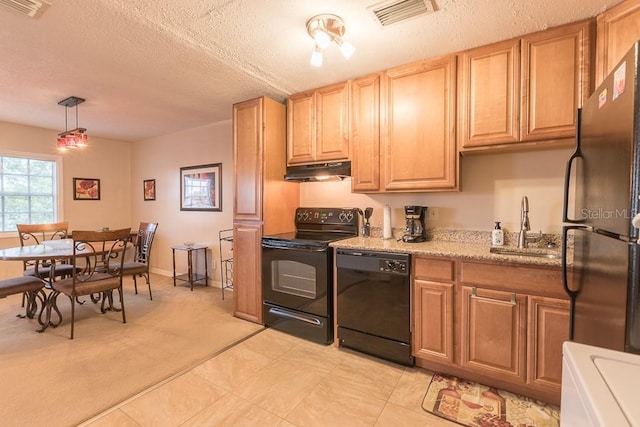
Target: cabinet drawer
{"points": [[521, 279], [434, 269]]}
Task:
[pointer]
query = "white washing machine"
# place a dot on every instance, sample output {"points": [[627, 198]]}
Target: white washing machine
{"points": [[600, 387]]}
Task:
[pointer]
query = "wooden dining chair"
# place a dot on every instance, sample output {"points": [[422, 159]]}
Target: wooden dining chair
{"points": [[139, 267], [98, 258], [35, 234]]}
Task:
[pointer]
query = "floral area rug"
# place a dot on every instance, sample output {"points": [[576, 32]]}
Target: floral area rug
{"points": [[475, 405]]}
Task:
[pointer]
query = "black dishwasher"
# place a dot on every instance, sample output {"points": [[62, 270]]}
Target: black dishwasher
{"points": [[374, 303]]}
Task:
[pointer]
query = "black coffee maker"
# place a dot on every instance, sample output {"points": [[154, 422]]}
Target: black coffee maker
{"points": [[414, 230]]}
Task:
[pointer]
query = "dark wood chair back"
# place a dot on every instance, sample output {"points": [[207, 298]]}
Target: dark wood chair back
{"points": [[142, 257], [98, 259], [144, 240], [98, 255], [35, 234]]}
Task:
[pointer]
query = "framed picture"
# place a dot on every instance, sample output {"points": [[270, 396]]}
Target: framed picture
{"points": [[201, 188], [86, 189], [149, 188]]}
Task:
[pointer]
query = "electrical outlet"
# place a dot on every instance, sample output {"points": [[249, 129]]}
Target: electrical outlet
{"points": [[433, 213]]}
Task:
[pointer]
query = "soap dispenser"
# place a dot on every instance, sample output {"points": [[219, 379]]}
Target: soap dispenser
{"points": [[497, 235]]}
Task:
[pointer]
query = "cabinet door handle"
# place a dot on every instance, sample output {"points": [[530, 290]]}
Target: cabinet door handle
{"points": [[474, 295]]}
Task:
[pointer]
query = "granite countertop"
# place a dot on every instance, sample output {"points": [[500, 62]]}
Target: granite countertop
{"points": [[473, 245]]}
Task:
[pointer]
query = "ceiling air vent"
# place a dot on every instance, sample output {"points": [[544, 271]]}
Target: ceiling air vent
{"points": [[31, 8], [394, 11]]}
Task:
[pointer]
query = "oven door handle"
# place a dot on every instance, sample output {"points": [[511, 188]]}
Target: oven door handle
{"points": [[282, 313], [289, 248]]}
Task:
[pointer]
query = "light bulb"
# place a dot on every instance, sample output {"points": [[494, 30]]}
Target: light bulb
{"points": [[323, 40], [346, 48], [316, 57]]}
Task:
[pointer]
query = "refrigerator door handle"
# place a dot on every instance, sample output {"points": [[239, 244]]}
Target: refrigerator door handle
{"points": [[565, 268], [565, 276], [567, 177], [611, 234]]}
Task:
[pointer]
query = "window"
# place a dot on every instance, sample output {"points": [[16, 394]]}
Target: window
{"points": [[29, 192]]}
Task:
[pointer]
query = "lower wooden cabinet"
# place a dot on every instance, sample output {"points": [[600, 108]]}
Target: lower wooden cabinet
{"points": [[503, 325], [433, 293], [493, 332], [433, 334], [547, 329], [247, 272]]}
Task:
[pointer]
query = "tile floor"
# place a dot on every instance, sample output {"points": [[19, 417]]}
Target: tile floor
{"points": [[274, 379]]}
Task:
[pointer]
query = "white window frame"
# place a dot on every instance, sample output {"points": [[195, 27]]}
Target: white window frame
{"points": [[59, 187]]}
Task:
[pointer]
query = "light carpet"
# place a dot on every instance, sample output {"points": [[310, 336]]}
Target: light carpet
{"points": [[48, 379]]}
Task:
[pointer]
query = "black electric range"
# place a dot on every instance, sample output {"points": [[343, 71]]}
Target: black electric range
{"points": [[297, 272]]}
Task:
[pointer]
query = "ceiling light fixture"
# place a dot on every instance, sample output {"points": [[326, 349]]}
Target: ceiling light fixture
{"points": [[325, 29], [75, 137]]}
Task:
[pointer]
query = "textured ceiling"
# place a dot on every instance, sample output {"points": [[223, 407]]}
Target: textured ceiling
{"points": [[154, 67]]}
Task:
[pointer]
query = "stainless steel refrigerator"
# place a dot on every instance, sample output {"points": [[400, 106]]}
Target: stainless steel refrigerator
{"points": [[603, 179]]}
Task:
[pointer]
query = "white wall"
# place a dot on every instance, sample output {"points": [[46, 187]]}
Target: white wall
{"points": [[161, 159], [492, 190], [107, 160]]}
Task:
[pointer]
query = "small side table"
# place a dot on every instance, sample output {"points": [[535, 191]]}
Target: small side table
{"points": [[190, 277]]}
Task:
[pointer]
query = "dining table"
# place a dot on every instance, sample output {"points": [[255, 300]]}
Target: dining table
{"points": [[50, 250], [55, 252]]}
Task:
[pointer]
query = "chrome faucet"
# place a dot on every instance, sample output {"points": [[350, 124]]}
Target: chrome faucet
{"points": [[523, 239]]}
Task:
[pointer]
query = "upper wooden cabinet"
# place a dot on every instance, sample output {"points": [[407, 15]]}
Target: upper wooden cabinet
{"points": [[365, 133], [318, 125], [618, 28], [489, 95], [403, 129], [418, 127], [556, 79], [247, 144], [524, 90], [259, 166]]}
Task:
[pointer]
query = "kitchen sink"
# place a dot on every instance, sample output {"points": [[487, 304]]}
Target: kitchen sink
{"points": [[530, 252]]}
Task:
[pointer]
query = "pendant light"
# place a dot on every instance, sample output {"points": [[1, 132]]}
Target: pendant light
{"points": [[74, 138]]}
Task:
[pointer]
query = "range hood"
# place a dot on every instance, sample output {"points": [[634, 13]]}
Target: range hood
{"points": [[319, 172]]}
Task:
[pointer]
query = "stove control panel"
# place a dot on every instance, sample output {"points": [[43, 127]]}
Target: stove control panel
{"points": [[337, 216]]}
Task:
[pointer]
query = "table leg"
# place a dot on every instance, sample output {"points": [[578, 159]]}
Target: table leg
{"points": [[189, 268], [174, 266], [206, 273]]}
